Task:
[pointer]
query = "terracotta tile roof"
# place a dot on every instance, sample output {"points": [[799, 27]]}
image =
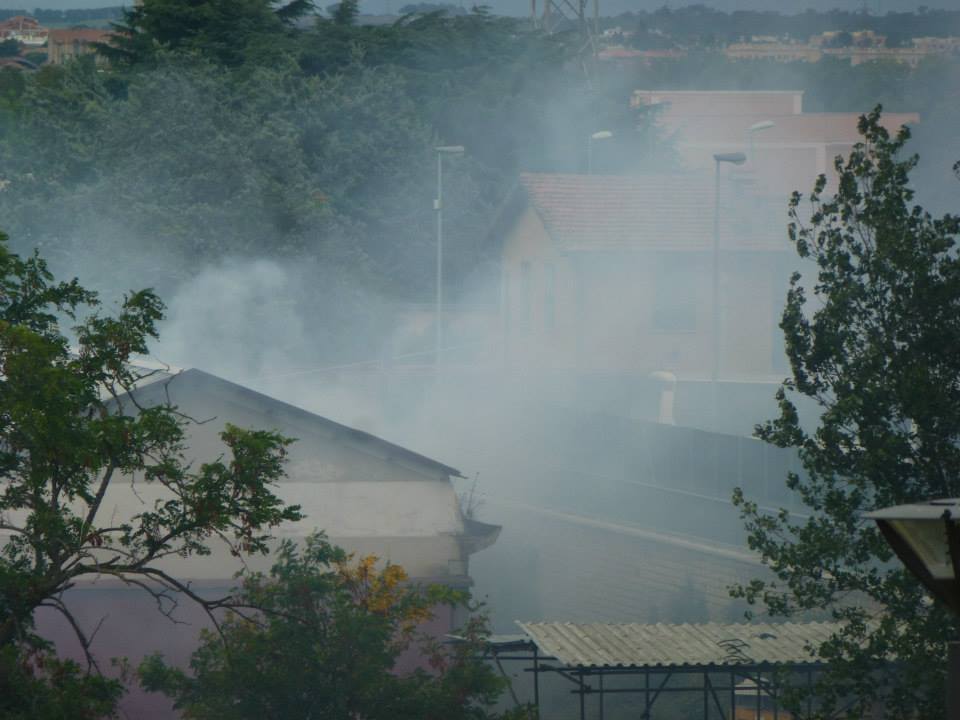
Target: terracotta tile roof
{"points": [[674, 212], [82, 34], [722, 102], [20, 22]]}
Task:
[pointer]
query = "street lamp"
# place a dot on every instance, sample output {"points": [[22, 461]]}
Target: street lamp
{"points": [[737, 158], [755, 128], [438, 208], [600, 135], [926, 537]]}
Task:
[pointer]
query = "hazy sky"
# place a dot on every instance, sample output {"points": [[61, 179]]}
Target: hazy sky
{"points": [[520, 7]]}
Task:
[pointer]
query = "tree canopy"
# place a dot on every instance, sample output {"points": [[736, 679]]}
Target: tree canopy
{"points": [[325, 642], [872, 341], [232, 31], [71, 431]]}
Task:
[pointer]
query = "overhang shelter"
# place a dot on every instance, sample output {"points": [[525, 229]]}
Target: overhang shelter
{"points": [[737, 669]]}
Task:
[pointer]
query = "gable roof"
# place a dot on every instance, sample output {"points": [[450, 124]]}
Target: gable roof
{"points": [[668, 211], [193, 382]]}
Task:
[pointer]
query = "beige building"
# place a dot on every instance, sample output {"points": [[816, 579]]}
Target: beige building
{"points": [[786, 147], [613, 274], [368, 495], [65, 45]]}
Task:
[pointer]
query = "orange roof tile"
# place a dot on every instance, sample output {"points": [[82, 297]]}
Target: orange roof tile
{"points": [[652, 211], [84, 34]]}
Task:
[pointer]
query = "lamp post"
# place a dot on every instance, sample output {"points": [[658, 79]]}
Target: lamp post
{"points": [[926, 537], [737, 158], [755, 128], [438, 209], [600, 135]]}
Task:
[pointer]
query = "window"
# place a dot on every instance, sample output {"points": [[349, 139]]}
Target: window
{"points": [[680, 281], [549, 296]]}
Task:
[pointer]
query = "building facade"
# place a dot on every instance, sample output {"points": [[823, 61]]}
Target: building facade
{"points": [[615, 274], [369, 496], [786, 147], [65, 45]]}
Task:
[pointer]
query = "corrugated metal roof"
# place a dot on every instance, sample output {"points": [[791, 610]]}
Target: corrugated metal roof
{"points": [[640, 645]]}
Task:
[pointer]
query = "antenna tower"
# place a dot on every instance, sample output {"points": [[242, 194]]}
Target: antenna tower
{"points": [[556, 13]]}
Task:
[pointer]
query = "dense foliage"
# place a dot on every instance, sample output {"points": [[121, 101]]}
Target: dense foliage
{"points": [[37, 685], [251, 130], [873, 341], [328, 641], [71, 431]]}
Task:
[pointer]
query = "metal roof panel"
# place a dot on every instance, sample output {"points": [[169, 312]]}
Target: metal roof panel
{"points": [[642, 645]]}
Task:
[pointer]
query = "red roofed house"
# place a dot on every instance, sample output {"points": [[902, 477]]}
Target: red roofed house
{"points": [[785, 156], [65, 45], [614, 274], [25, 30]]}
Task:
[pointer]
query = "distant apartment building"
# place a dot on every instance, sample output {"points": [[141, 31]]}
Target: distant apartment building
{"points": [[65, 45], [786, 147]]}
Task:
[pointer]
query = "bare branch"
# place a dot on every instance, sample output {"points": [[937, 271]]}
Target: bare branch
{"points": [[57, 604]]}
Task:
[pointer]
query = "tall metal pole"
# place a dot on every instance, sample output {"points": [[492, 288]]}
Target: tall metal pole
{"points": [[438, 206], [737, 158], [715, 288]]}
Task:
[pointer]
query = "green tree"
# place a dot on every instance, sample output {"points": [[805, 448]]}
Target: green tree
{"points": [[36, 685], [9, 48], [877, 352], [228, 31], [325, 643], [71, 430]]}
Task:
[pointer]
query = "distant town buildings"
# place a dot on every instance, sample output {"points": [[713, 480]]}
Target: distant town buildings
{"points": [[62, 44], [856, 47], [25, 30]]}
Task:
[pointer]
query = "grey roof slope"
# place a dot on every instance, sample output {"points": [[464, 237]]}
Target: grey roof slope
{"points": [[637, 645], [193, 381]]}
